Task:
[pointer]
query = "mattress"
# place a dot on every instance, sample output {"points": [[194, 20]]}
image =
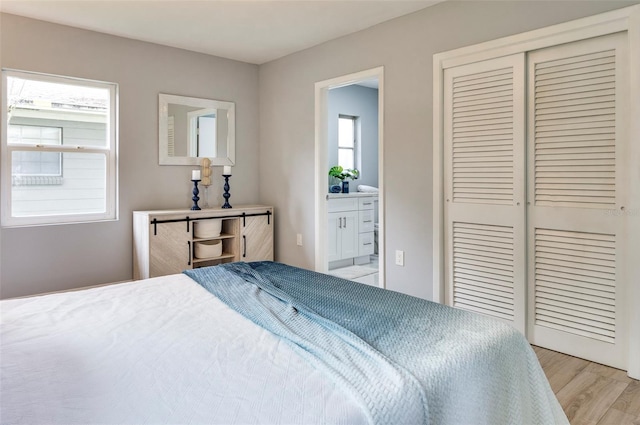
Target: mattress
{"points": [[158, 351], [262, 343]]}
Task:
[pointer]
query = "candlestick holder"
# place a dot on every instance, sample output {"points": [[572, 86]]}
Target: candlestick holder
{"points": [[195, 197], [226, 195]]}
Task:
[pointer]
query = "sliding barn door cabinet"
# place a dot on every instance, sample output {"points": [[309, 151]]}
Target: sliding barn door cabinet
{"points": [[170, 241]]}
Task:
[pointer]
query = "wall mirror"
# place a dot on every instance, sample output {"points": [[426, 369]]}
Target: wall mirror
{"points": [[191, 128]]}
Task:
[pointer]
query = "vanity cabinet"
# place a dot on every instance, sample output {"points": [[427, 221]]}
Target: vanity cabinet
{"points": [[366, 218], [343, 235], [351, 229], [165, 241]]}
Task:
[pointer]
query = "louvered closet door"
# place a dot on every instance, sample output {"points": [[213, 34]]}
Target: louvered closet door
{"points": [[484, 188], [576, 184]]}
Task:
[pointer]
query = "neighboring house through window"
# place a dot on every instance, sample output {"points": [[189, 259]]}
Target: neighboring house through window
{"points": [[59, 150], [25, 165]]}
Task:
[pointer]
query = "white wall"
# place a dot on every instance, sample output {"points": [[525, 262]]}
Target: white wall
{"points": [[405, 47], [49, 258]]}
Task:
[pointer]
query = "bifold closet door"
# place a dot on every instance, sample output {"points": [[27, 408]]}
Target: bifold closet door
{"points": [[576, 186], [484, 112]]}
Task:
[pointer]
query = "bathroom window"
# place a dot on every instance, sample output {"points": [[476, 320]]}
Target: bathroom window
{"points": [[347, 141], [59, 149]]}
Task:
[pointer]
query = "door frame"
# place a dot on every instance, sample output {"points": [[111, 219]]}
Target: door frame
{"points": [[626, 19], [322, 164]]}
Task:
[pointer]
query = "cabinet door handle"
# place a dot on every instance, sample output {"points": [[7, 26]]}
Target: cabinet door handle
{"points": [[189, 252], [339, 222], [366, 221], [345, 222], [367, 243], [244, 247], [366, 203]]}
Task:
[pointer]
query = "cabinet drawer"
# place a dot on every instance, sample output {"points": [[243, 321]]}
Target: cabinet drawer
{"points": [[365, 203], [365, 246], [365, 223], [342, 204]]}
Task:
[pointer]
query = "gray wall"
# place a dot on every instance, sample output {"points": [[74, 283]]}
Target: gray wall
{"points": [[361, 102], [276, 99], [405, 47], [48, 258]]}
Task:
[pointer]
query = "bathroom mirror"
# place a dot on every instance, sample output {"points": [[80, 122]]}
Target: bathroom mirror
{"points": [[191, 128]]}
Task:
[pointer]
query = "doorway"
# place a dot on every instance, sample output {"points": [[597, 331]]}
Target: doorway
{"points": [[350, 226]]}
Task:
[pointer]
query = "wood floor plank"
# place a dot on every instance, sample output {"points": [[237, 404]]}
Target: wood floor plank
{"points": [[544, 355], [595, 394], [616, 417], [587, 397], [561, 369], [609, 372], [629, 400]]}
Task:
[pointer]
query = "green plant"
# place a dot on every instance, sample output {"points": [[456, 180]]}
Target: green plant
{"points": [[351, 173], [340, 173], [336, 171]]}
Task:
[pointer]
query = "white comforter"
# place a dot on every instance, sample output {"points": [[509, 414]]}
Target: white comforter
{"points": [[159, 351]]}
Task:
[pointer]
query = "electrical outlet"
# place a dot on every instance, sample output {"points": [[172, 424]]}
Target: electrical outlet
{"points": [[399, 258], [299, 239]]}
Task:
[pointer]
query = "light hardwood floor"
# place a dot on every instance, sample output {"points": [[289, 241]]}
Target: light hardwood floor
{"points": [[590, 393]]}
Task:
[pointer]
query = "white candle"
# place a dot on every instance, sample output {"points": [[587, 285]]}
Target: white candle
{"points": [[227, 170], [195, 175]]}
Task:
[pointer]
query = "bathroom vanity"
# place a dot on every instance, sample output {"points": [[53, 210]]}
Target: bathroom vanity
{"points": [[351, 228]]}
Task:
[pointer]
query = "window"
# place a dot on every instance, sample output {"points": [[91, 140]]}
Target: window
{"points": [[35, 163], [59, 149], [347, 141]]}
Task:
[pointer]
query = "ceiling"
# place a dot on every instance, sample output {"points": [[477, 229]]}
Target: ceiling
{"points": [[253, 31]]}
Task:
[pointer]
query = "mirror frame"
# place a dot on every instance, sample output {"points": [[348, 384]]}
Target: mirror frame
{"points": [[163, 130]]}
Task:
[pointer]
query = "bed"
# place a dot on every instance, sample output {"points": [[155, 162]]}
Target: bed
{"points": [[262, 343]]}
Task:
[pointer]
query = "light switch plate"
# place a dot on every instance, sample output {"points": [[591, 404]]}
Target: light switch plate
{"points": [[399, 258], [299, 239]]}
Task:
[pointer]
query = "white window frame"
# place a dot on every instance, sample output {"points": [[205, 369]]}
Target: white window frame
{"points": [[356, 139], [110, 150]]}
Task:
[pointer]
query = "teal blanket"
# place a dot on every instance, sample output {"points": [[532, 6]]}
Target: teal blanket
{"points": [[403, 359]]}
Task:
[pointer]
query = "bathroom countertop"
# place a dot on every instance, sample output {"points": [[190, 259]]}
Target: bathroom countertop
{"points": [[351, 195]]}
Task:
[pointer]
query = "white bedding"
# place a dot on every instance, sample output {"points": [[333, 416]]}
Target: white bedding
{"points": [[159, 351]]}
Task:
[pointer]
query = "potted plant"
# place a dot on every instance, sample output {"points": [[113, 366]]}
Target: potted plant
{"points": [[337, 172]]}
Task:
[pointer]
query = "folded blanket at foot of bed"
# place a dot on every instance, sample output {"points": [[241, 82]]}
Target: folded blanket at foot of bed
{"points": [[404, 359]]}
